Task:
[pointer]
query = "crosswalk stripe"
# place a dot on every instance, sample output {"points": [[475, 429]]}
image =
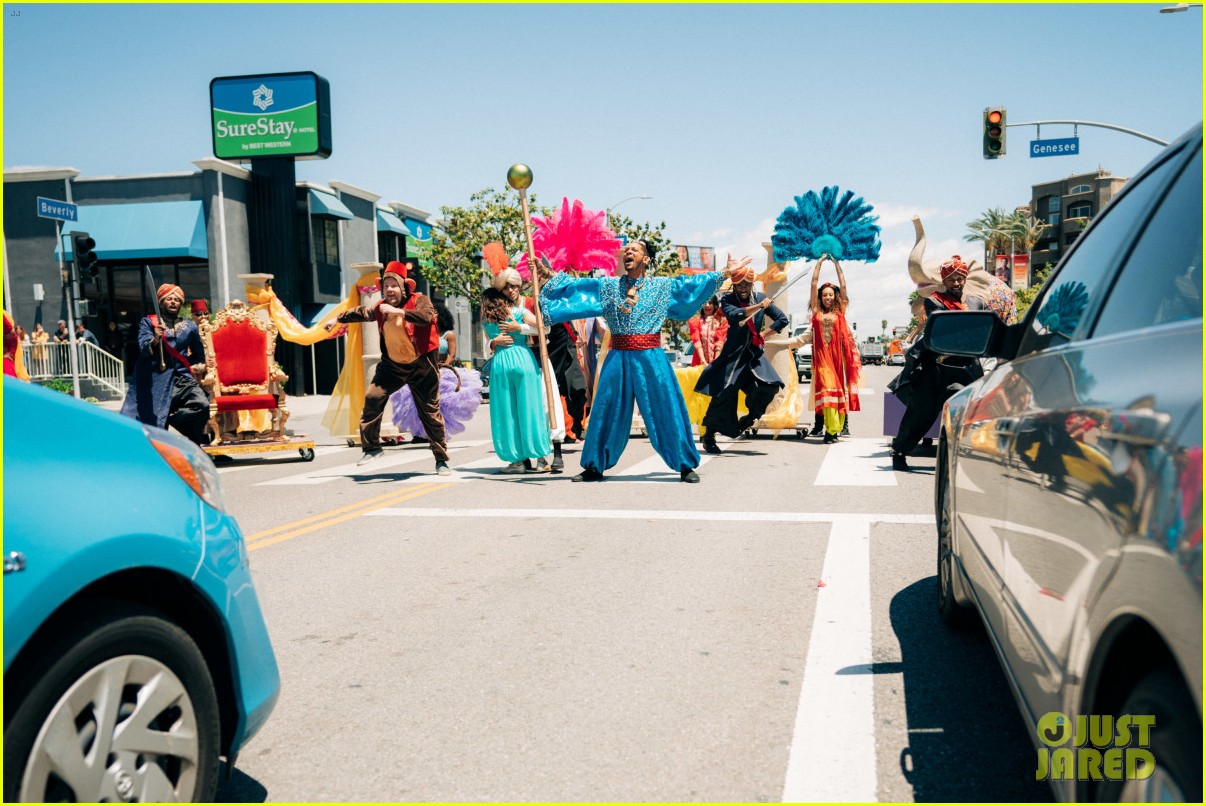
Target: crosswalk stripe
{"points": [[856, 463], [655, 515], [650, 470], [833, 753], [323, 475]]}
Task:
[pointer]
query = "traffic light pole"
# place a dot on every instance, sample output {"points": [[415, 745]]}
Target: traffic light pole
{"points": [[1039, 123], [69, 289]]}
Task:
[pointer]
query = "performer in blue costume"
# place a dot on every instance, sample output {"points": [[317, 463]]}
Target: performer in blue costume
{"points": [[635, 370], [169, 394]]}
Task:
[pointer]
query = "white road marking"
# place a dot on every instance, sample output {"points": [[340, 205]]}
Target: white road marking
{"points": [[856, 463], [650, 470], [391, 459], [832, 757], [649, 515]]}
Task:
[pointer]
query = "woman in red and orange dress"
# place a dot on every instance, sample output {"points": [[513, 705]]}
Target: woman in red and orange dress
{"points": [[835, 361], [708, 330]]}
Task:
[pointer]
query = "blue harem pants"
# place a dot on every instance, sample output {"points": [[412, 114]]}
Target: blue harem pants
{"points": [[643, 377]]}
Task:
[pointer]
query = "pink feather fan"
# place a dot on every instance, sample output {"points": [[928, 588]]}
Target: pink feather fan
{"points": [[573, 239]]}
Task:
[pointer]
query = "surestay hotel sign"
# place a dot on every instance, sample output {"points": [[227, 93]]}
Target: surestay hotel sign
{"points": [[278, 115]]}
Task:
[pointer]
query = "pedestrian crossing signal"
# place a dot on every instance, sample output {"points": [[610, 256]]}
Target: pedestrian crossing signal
{"points": [[994, 132]]}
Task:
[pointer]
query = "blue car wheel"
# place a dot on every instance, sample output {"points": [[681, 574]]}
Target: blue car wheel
{"points": [[120, 708]]}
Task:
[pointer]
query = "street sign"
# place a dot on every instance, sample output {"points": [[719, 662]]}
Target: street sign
{"points": [[1063, 147], [58, 210]]}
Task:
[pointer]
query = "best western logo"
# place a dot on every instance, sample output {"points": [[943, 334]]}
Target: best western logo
{"points": [[261, 126]]}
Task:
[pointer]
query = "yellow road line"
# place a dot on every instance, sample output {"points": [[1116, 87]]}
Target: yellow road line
{"points": [[287, 526], [347, 516]]}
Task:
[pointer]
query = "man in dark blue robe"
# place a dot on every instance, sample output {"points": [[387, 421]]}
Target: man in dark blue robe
{"points": [[742, 365], [169, 394]]}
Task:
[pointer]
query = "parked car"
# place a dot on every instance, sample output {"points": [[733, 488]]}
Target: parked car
{"points": [[803, 354], [483, 368], [135, 653], [1068, 489], [685, 357]]}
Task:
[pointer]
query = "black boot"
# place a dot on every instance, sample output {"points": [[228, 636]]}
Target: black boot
{"points": [[818, 427], [899, 462], [558, 462], [846, 427], [709, 442]]}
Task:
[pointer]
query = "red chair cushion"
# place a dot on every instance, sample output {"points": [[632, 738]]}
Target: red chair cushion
{"points": [[245, 402], [241, 354]]}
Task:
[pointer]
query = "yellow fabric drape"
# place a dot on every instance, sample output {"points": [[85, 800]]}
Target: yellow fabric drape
{"points": [[347, 399]]}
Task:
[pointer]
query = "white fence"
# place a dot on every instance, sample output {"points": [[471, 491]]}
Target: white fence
{"points": [[53, 360]]}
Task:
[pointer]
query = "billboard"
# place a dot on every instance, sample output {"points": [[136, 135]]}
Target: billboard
{"points": [[697, 258], [278, 115], [1019, 278]]}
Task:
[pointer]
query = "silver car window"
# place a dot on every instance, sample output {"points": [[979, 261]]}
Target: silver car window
{"points": [[1083, 277], [1162, 279]]}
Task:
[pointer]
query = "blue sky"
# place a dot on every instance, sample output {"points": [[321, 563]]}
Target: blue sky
{"points": [[722, 113]]}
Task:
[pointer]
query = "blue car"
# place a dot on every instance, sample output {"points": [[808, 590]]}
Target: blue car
{"points": [[135, 652]]}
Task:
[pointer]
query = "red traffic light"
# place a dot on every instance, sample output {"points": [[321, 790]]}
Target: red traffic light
{"points": [[994, 116]]}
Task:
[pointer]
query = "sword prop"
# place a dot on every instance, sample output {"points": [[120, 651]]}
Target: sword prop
{"points": [[155, 304], [790, 283], [520, 177]]}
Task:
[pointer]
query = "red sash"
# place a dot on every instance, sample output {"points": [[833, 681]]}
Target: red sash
{"points": [[172, 351]]}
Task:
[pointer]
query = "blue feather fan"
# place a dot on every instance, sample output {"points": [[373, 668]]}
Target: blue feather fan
{"points": [[827, 225]]}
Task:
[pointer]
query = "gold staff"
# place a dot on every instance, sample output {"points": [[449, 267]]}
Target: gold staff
{"points": [[519, 176]]}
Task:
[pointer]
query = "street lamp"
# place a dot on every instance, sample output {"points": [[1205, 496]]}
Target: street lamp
{"points": [[1178, 7], [621, 201]]}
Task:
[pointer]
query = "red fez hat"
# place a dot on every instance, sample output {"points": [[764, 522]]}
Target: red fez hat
{"points": [[401, 271], [199, 306]]}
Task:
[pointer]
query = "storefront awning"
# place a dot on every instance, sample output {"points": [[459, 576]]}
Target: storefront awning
{"points": [[388, 222], [328, 204], [143, 230]]}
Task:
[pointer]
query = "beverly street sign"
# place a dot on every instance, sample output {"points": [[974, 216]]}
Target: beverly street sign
{"points": [[58, 210]]}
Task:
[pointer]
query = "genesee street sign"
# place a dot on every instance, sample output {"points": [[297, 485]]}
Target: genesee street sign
{"points": [[1064, 147], [58, 210]]}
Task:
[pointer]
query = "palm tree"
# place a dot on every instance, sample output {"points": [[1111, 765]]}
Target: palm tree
{"points": [[883, 326], [990, 229], [1026, 231]]}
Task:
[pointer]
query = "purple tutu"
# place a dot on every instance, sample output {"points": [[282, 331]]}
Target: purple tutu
{"points": [[457, 405]]}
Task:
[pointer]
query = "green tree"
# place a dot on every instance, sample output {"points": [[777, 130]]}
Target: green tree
{"points": [[1025, 296], [491, 215], [990, 230], [883, 327]]}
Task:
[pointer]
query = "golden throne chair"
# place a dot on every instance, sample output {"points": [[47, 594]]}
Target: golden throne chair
{"points": [[240, 371]]}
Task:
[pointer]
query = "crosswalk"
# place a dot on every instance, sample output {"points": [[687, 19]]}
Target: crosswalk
{"points": [[847, 463]]}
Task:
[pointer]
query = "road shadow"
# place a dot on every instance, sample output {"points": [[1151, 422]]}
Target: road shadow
{"points": [[967, 740], [239, 788]]}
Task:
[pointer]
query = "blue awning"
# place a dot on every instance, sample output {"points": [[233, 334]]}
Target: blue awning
{"points": [[142, 230], [388, 222], [328, 204]]}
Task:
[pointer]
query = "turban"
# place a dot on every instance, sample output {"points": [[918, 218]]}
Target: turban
{"points": [[167, 289], [953, 266], [505, 277], [400, 272], [199, 306], [743, 275]]}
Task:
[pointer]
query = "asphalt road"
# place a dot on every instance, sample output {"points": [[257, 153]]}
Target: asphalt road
{"points": [[768, 634]]}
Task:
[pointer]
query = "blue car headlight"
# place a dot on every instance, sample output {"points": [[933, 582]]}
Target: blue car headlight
{"points": [[190, 463]]}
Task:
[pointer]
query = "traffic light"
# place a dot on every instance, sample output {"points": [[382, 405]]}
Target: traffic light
{"points": [[86, 261], [994, 132]]}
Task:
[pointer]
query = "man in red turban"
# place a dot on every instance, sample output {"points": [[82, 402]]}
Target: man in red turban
{"points": [[410, 342], [927, 379], [170, 356]]}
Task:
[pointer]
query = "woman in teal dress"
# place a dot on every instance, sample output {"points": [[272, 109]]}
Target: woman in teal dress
{"points": [[518, 423]]}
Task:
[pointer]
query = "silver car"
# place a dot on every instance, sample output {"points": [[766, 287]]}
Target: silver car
{"points": [[1068, 493]]}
